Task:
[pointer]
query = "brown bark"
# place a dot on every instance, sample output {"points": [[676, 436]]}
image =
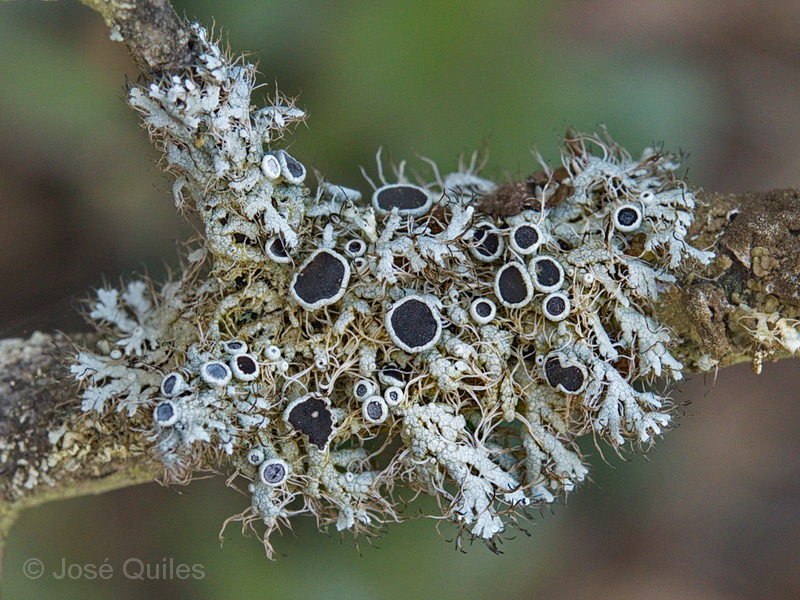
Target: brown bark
{"points": [[157, 38], [730, 311]]}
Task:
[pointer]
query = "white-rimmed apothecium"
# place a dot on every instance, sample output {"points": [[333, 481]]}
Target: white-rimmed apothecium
{"points": [[276, 250], [311, 416], [271, 166], [482, 310], [547, 273], [393, 395], [355, 247], [234, 346], [513, 286], [627, 218], [364, 388], [405, 198], [292, 170], [414, 324], [525, 238], [487, 244], [647, 197], [165, 414], [556, 306], [567, 376], [255, 456], [172, 385], [375, 410], [274, 471], [216, 373], [392, 376], [321, 280], [244, 367]]}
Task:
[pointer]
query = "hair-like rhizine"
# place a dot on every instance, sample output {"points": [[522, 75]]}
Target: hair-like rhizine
{"points": [[334, 349]]}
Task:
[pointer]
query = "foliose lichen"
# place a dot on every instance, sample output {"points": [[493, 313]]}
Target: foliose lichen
{"points": [[452, 337]]}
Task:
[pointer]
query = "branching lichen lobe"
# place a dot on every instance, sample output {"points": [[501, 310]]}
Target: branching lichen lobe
{"points": [[485, 415], [567, 325]]}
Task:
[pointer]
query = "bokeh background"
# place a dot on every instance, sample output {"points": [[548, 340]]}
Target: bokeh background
{"points": [[712, 513]]}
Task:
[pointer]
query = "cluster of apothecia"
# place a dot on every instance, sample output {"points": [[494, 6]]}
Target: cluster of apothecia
{"points": [[343, 345]]}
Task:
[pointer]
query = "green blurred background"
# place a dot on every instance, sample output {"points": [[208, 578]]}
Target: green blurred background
{"points": [[712, 513]]}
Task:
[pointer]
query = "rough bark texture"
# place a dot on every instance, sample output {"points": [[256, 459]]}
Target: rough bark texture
{"points": [[156, 37], [745, 305], [738, 308], [49, 449]]}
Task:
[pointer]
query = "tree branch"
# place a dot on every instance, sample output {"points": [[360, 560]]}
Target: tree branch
{"points": [[52, 450], [49, 449], [743, 306], [156, 37]]}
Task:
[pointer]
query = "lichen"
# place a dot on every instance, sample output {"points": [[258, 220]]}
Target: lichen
{"points": [[480, 407]]}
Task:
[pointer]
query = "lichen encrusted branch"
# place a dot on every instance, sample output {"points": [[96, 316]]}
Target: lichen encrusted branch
{"points": [[449, 336]]}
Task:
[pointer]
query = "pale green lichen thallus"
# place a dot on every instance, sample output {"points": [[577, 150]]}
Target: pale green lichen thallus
{"points": [[338, 347]]}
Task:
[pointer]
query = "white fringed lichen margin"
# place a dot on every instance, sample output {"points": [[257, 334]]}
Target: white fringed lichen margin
{"points": [[485, 424]]}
